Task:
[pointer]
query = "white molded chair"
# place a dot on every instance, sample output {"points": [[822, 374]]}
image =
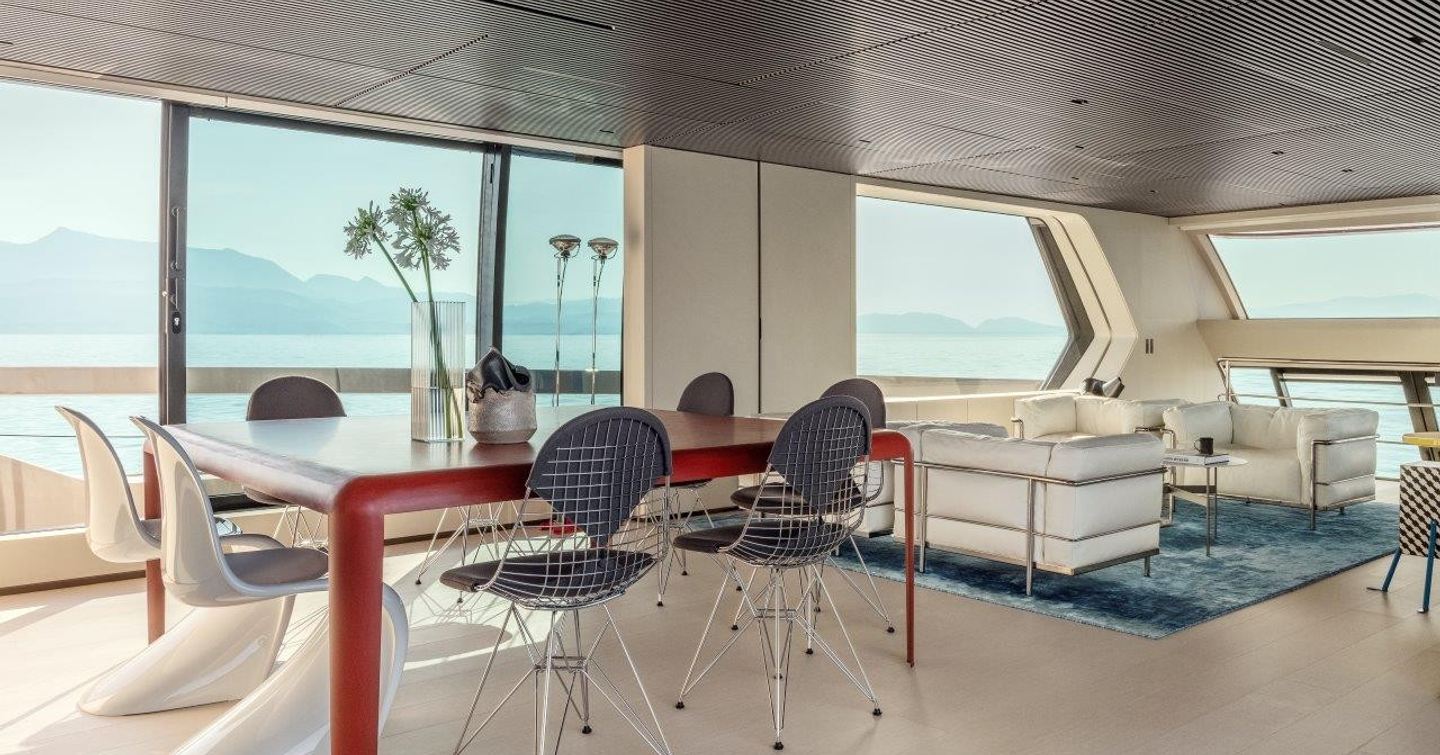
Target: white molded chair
{"points": [[290, 712], [209, 656]]}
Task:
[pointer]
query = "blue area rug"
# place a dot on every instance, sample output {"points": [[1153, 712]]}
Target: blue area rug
{"points": [[1262, 552]]}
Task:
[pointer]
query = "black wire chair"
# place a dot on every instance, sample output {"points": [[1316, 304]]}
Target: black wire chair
{"points": [[592, 472], [816, 505], [711, 394], [294, 397], [758, 497]]}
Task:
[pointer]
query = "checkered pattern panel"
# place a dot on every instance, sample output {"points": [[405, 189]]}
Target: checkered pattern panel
{"points": [[1419, 505]]}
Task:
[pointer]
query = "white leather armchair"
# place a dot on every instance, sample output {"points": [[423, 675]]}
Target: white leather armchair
{"points": [[1066, 416], [1315, 459], [1063, 507]]}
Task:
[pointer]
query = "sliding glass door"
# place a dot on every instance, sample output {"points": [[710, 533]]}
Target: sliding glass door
{"points": [[79, 178], [270, 289]]}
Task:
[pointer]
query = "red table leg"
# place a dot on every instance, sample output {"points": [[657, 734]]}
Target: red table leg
{"points": [[909, 556], [357, 552], [154, 585]]}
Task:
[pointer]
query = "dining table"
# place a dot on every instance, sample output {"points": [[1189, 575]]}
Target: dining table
{"points": [[358, 470]]}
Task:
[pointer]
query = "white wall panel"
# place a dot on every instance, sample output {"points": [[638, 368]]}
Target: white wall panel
{"points": [[807, 284]]}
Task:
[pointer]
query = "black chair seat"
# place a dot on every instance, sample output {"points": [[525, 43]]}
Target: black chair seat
{"points": [[708, 540], [768, 498], [766, 539], [778, 500], [577, 576], [278, 566]]}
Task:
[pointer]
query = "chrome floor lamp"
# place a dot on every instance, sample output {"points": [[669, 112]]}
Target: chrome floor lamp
{"points": [[565, 246], [604, 249]]}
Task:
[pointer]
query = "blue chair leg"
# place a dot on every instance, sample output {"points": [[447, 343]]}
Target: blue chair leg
{"points": [[1389, 574], [1429, 568]]}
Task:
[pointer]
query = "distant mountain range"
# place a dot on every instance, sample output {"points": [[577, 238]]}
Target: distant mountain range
{"points": [[1399, 305], [929, 323], [73, 282]]}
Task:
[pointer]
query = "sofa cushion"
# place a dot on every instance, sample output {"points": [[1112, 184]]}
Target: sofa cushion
{"points": [[1208, 420], [1092, 458], [1272, 473], [962, 449], [1150, 412], [1097, 415], [1061, 437], [1264, 426], [1044, 415]]}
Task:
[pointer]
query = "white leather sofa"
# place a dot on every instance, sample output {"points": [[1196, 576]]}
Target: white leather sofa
{"points": [[1065, 507], [1066, 416], [879, 518], [1316, 459]]}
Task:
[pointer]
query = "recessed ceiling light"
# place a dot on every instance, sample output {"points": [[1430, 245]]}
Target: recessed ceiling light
{"points": [[1277, 152], [1079, 101], [3, 43], [1347, 170], [1417, 39], [1079, 146], [1152, 191], [1074, 178], [863, 141], [607, 131]]}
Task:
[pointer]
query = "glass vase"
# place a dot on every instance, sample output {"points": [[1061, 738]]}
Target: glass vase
{"points": [[437, 353]]}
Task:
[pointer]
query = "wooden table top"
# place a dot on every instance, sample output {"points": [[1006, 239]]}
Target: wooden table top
{"points": [[310, 461]]}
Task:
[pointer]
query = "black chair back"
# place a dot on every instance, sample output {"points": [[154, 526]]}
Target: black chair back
{"points": [[818, 502], [293, 397], [867, 392], [711, 393], [595, 468]]}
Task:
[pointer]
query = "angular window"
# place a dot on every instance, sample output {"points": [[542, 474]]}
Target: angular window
{"points": [[944, 292], [1353, 274], [551, 195], [78, 308]]}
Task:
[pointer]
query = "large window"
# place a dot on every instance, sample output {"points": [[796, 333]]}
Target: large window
{"points": [[79, 177], [948, 292], [550, 195], [260, 204], [1389, 273], [270, 289]]}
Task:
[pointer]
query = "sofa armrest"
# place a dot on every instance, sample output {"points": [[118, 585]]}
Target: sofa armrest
{"points": [[1336, 445], [1165, 434], [1047, 414]]}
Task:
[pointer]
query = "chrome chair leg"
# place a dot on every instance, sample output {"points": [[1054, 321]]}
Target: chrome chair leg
{"points": [[872, 597], [576, 671], [777, 616]]}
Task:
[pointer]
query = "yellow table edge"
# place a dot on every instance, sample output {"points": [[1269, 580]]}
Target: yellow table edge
{"points": [[1426, 440]]}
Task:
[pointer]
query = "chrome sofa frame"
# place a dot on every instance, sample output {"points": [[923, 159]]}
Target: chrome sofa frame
{"points": [[922, 512]]}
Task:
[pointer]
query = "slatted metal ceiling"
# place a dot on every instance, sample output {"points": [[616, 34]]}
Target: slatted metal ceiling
{"points": [[1169, 107]]}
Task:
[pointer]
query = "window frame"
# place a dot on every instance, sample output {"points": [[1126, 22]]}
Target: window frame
{"points": [[1050, 237]]}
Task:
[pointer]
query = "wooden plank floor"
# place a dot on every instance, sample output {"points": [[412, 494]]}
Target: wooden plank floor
{"points": [[1330, 668]]}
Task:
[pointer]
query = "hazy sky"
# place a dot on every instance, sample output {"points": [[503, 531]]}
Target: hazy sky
{"points": [[1283, 270], [91, 163], [78, 160], [969, 265]]}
